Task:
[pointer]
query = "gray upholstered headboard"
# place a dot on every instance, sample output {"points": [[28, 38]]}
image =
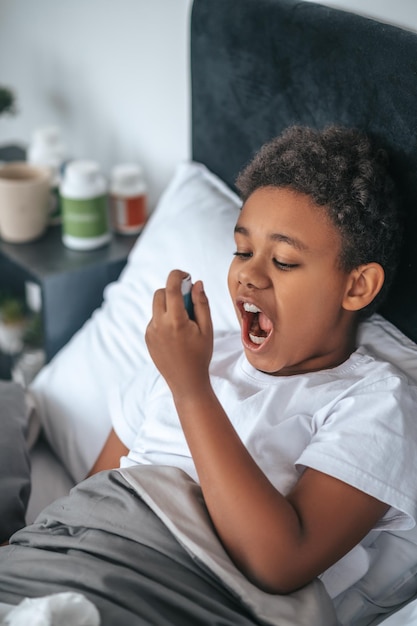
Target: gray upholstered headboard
{"points": [[259, 66]]}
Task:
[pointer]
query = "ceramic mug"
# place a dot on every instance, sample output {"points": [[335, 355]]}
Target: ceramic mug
{"points": [[24, 201]]}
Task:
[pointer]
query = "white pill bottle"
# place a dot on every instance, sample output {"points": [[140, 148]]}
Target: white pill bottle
{"points": [[48, 150], [84, 204]]}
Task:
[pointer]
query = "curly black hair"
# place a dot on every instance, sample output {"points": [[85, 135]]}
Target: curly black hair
{"points": [[347, 174]]}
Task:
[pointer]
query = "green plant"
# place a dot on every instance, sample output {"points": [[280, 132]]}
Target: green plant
{"points": [[12, 310], [33, 335], [7, 101]]}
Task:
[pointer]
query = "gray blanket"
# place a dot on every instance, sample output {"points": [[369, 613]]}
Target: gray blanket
{"points": [[14, 459], [147, 559]]}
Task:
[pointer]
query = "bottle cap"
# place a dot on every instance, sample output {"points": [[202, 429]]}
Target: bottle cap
{"points": [[83, 179], [46, 148], [49, 135], [127, 179]]}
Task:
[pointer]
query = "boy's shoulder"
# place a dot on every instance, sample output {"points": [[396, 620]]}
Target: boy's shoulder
{"points": [[387, 343], [377, 367], [366, 373]]}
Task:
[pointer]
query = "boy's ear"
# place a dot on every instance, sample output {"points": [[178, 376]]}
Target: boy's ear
{"points": [[363, 285]]}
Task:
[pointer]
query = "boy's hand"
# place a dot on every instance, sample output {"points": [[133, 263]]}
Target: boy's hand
{"points": [[180, 348]]}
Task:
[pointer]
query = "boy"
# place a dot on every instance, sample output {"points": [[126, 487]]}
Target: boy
{"points": [[300, 443]]}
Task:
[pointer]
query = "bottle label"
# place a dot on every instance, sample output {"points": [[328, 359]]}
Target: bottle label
{"points": [[85, 218], [128, 214]]}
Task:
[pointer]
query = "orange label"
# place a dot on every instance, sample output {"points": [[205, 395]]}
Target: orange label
{"points": [[128, 214]]}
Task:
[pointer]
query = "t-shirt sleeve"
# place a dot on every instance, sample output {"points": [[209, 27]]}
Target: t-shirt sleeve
{"points": [[127, 404], [369, 440]]}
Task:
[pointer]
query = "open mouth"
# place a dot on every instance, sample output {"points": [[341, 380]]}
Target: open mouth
{"points": [[257, 326]]}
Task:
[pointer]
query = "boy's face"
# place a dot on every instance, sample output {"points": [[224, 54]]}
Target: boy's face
{"points": [[287, 286]]}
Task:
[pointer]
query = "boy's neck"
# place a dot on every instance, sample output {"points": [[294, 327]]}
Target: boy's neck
{"points": [[337, 357]]}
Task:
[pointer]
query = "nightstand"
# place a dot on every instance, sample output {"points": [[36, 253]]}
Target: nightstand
{"points": [[71, 282]]}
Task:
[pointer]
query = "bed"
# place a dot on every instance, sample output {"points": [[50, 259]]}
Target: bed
{"points": [[257, 66]]}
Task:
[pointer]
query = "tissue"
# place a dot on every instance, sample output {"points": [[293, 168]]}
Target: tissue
{"points": [[71, 609]]}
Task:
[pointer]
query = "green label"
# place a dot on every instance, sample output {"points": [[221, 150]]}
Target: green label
{"points": [[85, 218]]}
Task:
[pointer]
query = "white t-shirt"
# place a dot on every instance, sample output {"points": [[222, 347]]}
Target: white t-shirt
{"points": [[356, 422]]}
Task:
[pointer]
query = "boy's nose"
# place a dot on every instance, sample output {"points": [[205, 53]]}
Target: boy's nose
{"points": [[252, 275]]}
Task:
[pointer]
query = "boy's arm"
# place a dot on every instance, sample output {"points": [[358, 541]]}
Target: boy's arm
{"points": [[280, 543], [109, 457]]}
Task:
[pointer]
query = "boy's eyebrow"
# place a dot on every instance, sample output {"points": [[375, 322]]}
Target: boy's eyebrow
{"points": [[291, 241]]}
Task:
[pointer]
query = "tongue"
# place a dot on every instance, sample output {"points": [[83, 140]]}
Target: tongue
{"points": [[264, 322], [261, 325]]}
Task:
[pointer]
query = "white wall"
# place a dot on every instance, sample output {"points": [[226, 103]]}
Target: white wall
{"points": [[114, 75]]}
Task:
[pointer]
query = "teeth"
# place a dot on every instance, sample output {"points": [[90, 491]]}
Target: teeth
{"points": [[251, 308], [256, 339]]}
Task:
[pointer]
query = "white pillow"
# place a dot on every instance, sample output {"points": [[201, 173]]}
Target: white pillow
{"points": [[407, 616], [191, 229]]}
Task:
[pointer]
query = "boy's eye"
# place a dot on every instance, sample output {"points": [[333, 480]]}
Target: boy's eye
{"points": [[284, 266], [242, 255], [280, 264]]}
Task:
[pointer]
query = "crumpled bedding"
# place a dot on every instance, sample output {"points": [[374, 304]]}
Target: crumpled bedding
{"points": [[152, 558], [177, 500], [15, 484]]}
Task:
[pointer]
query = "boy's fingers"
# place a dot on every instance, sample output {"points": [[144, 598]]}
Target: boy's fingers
{"points": [[174, 279], [174, 297], [158, 302], [201, 307]]}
